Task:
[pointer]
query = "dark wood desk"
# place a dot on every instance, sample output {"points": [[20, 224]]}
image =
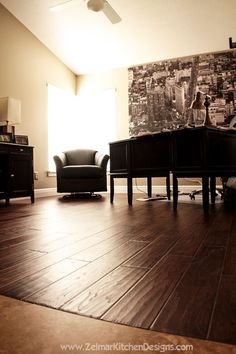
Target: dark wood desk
{"points": [[204, 152], [138, 158], [16, 171]]}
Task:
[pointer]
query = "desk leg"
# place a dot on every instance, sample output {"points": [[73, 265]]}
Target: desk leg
{"points": [[111, 189], [130, 190], [205, 193], [213, 189], [149, 184], [175, 191], [168, 186]]}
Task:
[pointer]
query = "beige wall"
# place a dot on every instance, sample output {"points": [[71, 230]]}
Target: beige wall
{"points": [[26, 66]]}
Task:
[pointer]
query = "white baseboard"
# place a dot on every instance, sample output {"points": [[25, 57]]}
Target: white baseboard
{"points": [[47, 192], [158, 189]]}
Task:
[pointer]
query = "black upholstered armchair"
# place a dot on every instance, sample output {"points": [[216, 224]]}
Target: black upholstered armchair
{"points": [[81, 170]]}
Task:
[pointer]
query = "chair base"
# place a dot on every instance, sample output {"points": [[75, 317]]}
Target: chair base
{"points": [[89, 195], [199, 191]]}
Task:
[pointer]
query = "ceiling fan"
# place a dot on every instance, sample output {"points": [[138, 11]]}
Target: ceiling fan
{"points": [[96, 6]]}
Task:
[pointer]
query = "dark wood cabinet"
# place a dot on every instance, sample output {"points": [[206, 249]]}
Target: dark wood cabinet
{"points": [[16, 171]]}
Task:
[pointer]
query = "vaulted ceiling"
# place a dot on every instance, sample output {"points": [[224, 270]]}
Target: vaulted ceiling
{"points": [[150, 30]]}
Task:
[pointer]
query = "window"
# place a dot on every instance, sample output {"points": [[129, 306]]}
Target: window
{"points": [[83, 121]]}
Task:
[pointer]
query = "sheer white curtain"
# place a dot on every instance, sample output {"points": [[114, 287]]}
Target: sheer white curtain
{"points": [[84, 121]]}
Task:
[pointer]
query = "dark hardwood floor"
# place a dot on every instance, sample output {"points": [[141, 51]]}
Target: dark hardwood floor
{"points": [[142, 265]]}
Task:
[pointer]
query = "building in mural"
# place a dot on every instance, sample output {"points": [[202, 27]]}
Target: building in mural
{"points": [[161, 93]]}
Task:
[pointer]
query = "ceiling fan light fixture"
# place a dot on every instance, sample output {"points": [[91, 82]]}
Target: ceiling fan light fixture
{"points": [[95, 5]]}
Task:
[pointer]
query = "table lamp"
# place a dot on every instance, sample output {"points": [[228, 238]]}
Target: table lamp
{"points": [[208, 121], [10, 114]]}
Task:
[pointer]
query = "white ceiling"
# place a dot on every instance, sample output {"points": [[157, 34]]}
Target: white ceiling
{"points": [[150, 30]]}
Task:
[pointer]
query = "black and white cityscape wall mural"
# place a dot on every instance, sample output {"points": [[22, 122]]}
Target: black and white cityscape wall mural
{"points": [[161, 93]]}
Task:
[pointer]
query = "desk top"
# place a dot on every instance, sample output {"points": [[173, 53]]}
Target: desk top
{"points": [[2, 143], [184, 129]]}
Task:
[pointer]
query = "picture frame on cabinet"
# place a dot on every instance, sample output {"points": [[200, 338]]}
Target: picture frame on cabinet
{"points": [[6, 138], [22, 139]]}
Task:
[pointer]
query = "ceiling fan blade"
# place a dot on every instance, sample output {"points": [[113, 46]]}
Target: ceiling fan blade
{"points": [[111, 14], [59, 6]]}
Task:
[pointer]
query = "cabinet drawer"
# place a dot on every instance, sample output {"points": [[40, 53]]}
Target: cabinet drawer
{"points": [[23, 150], [3, 149]]}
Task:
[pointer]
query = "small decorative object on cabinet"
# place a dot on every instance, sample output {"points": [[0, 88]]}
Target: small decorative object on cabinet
{"points": [[6, 137], [208, 122], [16, 171], [198, 110], [21, 139]]}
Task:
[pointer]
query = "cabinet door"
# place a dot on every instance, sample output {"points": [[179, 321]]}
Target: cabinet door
{"points": [[189, 149], [119, 157], [3, 172], [21, 174], [151, 154]]}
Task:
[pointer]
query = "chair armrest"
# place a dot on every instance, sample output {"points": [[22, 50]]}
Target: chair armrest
{"points": [[101, 160], [60, 161]]}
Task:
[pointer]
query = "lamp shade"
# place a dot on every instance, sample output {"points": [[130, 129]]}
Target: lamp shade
{"points": [[10, 111]]}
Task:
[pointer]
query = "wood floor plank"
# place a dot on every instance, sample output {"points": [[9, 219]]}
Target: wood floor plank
{"points": [[12, 258], [40, 280], [154, 251], [190, 241], [230, 260], [216, 238], [224, 320], [62, 291], [189, 308], [98, 298], [19, 238], [28, 267], [233, 231], [32, 239], [100, 249], [142, 303], [79, 239], [224, 221], [150, 233]]}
